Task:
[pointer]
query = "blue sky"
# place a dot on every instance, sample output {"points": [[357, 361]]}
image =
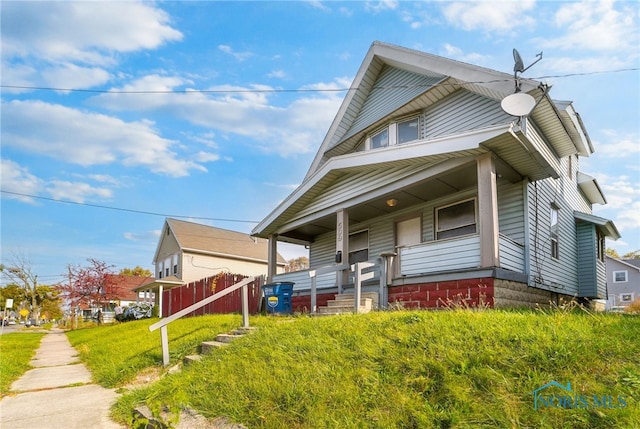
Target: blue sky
{"points": [[214, 110]]}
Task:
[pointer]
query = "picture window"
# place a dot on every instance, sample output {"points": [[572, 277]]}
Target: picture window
{"points": [[456, 220]]}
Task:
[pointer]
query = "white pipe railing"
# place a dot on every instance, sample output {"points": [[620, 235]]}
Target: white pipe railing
{"points": [[162, 324], [324, 270]]}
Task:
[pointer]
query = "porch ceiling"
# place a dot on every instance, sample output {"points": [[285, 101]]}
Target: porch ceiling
{"points": [[420, 192]]}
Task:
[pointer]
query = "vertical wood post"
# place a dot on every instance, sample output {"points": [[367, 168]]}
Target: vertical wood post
{"points": [[342, 246], [314, 306], [272, 257], [488, 211], [245, 306], [164, 338]]}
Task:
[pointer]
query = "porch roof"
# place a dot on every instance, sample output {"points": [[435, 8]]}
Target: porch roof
{"points": [[166, 283], [362, 182]]}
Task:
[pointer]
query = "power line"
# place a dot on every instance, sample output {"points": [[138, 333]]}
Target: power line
{"points": [[127, 210], [285, 90]]}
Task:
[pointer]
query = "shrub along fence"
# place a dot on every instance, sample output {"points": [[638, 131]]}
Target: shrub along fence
{"points": [[178, 298]]}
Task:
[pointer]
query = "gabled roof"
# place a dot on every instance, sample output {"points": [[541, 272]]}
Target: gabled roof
{"points": [[126, 285], [203, 239], [394, 82], [634, 264]]}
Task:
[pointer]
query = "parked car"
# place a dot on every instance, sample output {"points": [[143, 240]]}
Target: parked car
{"points": [[32, 322]]}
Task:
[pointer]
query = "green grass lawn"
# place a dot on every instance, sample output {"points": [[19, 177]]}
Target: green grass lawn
{"points": [[404, 369], [16, 351]]}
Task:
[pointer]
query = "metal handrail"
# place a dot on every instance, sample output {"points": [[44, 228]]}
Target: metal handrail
{"points": [[162, 324]]}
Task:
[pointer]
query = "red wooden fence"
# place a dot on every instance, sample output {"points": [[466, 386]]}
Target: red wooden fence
{"points": [[177, 298]]}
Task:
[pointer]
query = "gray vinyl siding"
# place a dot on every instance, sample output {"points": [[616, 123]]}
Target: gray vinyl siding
{"points": [[558, 275], [511, 210], [393, 89], [463, 111], [587, 277]]}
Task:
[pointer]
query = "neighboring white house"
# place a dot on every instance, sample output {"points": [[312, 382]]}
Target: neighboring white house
{"points": [[188, 252], [421, 162], [623, 281]]}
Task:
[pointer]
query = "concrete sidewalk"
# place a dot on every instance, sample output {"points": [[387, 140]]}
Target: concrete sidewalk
{"points": [[57, 393]]}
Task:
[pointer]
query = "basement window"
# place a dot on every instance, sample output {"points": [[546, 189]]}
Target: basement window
{"points": [[456, 220]]}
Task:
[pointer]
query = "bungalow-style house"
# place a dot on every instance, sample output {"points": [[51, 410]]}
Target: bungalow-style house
{"points": [[623, 280], [188, 252], [447, 197]]}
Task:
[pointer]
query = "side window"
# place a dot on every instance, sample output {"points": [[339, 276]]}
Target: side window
{"points": [[620, 277], [553, 225], [456, 220], [358, 247]]}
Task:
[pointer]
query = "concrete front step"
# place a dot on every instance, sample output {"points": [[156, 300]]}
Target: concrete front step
{"points": [[207, 347], [364, 302], [227, 338], [341, 310], [191, 359], [221, 340]]}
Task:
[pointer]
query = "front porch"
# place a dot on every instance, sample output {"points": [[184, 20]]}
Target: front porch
{"points": [[431, 274]]}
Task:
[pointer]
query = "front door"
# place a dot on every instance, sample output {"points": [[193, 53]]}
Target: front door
{"points": [[408, 233]]}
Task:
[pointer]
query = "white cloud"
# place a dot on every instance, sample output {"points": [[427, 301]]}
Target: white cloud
{"points": [[76, 191], [451, 51], [78, 137], [623, 200], [379, 6], [490, 16], [604, 26], [627, 146], [248, 111], [87, 32], [278, 74], [16, 178], [240, 56], [142, 236], [73, 76]]}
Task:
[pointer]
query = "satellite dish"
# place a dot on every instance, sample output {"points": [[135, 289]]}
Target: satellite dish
{"points": [[519, 64], [518, 104]]}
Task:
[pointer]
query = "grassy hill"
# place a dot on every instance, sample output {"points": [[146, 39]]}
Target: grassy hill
{"points": [[404, 369]]}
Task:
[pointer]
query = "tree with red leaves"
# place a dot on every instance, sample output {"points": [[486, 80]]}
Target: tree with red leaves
{"points": [[93, 285]]}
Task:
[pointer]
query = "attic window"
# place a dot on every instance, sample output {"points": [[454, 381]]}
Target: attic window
{"points": [[408, 130], [380, 139]]}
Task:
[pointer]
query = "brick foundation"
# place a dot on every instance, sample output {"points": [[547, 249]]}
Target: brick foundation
{"points": [[465, 293], [470, 293], [302, 303]]}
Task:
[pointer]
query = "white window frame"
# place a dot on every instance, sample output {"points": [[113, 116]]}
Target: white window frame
{"points": [[405, 120], [554, 231], [379, 132], [438, 232], [626, 276], [626, 294], [355, 247]]}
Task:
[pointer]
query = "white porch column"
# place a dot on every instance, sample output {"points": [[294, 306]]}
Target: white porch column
{"points": [[272, 258], [342, 245], [488, 211], [160, 290]]}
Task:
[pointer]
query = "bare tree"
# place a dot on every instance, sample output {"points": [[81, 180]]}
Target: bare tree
{"points": [[20, 272]]}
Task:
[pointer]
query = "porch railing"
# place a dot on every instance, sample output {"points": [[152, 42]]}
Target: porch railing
{"points": [[162, 324]]}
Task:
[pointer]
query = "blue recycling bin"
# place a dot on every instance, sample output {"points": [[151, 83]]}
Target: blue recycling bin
{"points": [[278, 297]]}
